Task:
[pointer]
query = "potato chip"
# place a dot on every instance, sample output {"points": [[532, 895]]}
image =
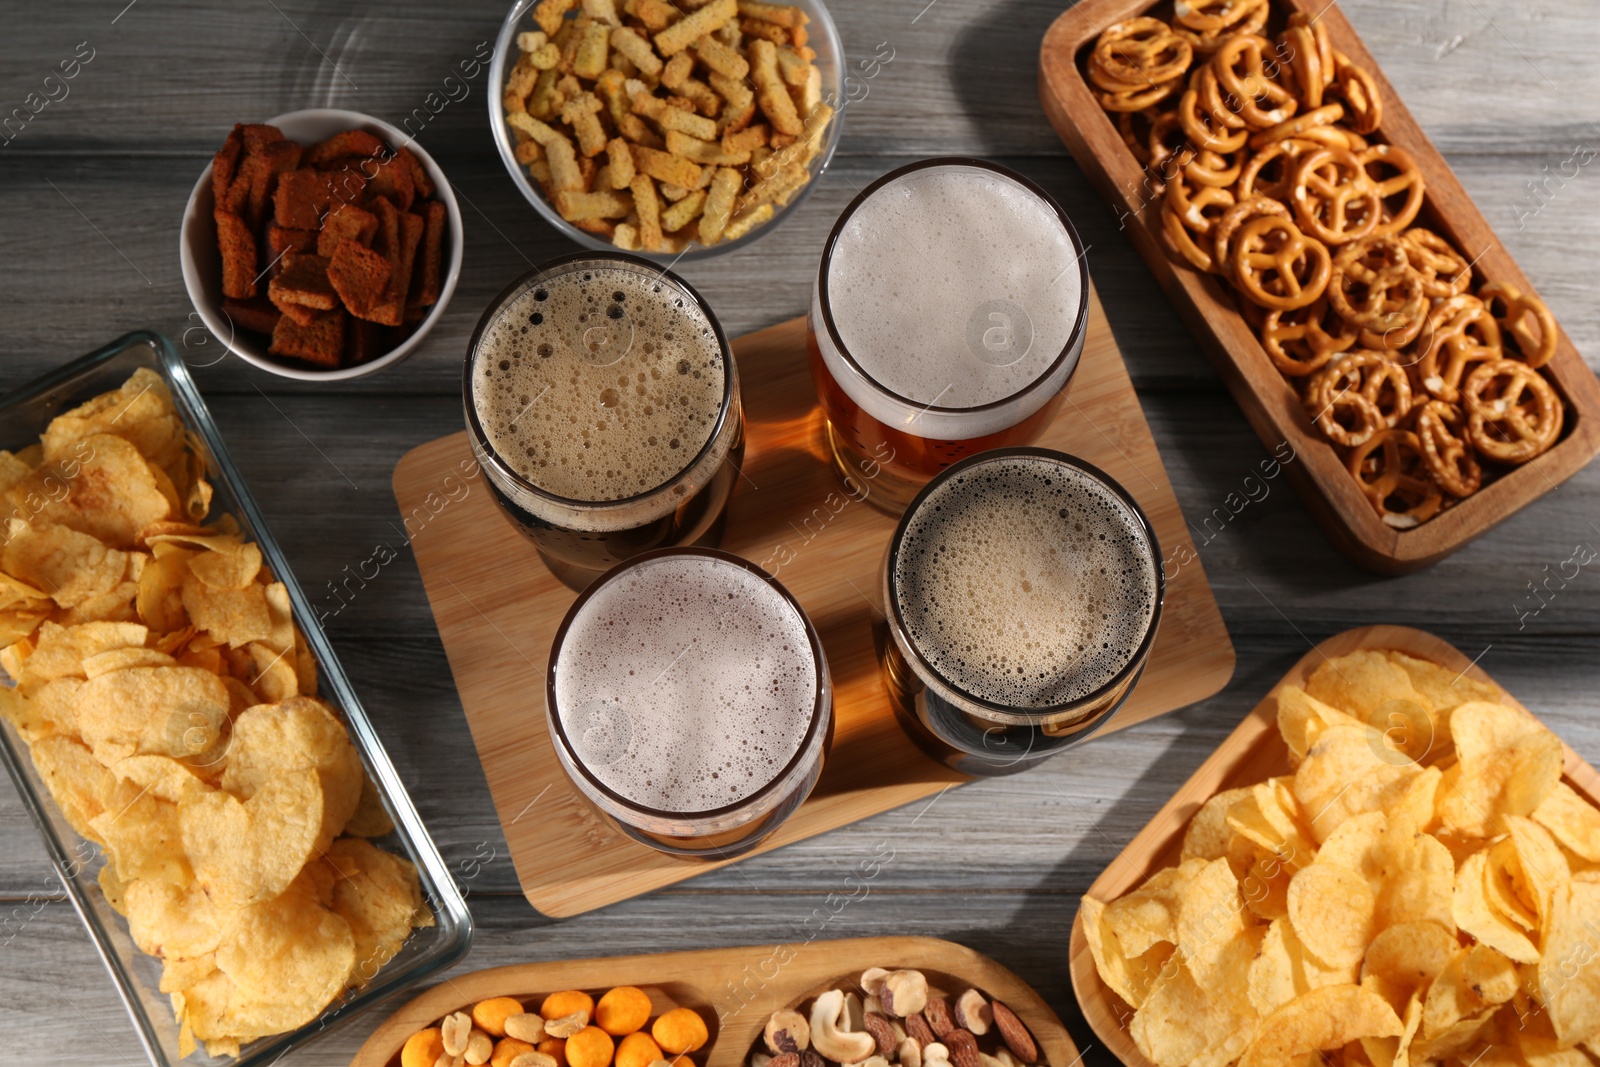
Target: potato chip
{"points": [[1187, 1024], [1475, 980], [230, 564], [112, 889], [1474, 915], [370, 818], [24, 716], [119, 659], [161, 776], [159, 600], [1148, 915], [71, 566], [234, 616], [1395, 1051], [1331, 909], [173, 920], [1302, 718], [60, 651], [1361, 682], [1542, 869], [1211, 916], [377, 893], [1571, 821], [1420, 886], [248, 851], [1441, 687], [1468, 1038], [1283, 971], [1406, 958], [166, 711], [179, 974], [1344, 775], [140, 831], [140, 411], [1265, 885], [112, 496], [1130, 977], [75, 779], [1509, 764], [1322, 1020], [298, 735]]}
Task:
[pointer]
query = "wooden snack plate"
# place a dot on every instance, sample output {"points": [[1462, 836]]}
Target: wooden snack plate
{"points": [[1328, 490], [498, 608], [1253, 753], [735, 989]]}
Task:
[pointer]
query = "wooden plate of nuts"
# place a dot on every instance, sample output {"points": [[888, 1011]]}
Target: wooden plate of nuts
{"points": [[897, 1001]]}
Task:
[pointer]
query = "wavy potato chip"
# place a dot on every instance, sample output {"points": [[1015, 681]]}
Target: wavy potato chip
{"points": [[1441, 687], [1332, 909], [1211, 916], [1475, 980], [61, 651], [1475, 916], [1148, 915], [1302, 718], [1344, 774]]}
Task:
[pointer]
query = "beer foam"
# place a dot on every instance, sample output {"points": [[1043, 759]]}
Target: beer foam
{"points": [[686, 683], [591, 432], [1025, 582], [953, 286]]}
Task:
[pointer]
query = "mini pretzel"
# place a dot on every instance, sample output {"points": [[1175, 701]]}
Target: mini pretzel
{"points": [[1241, 70], [1298, 342], [1185, 214], [1441, 369], [1374, 287], [1277, 266], [1536, 340], [1270, 172], [1324, 44], [1407, 179], [1208, 16], [1446, 451], [1513, 414], [1390, 469], [1370, 375], [1459, 330], [1134, 127], [1363, 104], [1445, 272], [1316, 124], [1205, 121], [1333, 198], [1167, 146], [1304, 61], [1228, 223], [1137, 99], [1139, 53], [1209, 168]]}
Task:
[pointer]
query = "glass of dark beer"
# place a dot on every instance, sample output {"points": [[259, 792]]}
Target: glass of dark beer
{"points": [[689, 701], [948, 316], [1022, 592], [602, 401]]}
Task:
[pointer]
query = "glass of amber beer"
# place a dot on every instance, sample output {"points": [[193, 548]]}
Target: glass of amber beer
{"points": [[603, 404], [1022, 592], [689, 701], [948, 316]]}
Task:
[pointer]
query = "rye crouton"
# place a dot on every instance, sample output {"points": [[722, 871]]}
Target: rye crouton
{"points": [[238, 249], [321, 341]]}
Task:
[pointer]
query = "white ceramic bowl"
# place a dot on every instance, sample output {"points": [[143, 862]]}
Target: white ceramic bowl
{"points": [[202, 262], [830, 61]]}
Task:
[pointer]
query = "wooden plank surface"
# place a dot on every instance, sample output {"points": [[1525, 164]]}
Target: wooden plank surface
{"points": [[1504, 90], [491, 595]]}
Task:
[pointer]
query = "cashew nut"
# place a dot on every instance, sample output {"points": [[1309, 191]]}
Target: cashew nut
{"points": [[909, 1053], [827, 1036]]}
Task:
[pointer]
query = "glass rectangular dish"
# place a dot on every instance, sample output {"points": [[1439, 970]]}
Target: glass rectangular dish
{"points": [[23, 416]]}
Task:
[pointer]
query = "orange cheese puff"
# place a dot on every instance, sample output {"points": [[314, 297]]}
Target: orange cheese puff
{"points": [[555, 1048], [680, 1030], [422, 1048], [623, 1010], [565, 1003], [490, 1015], [638, 1050], [590, 1047], [506, 1050]]}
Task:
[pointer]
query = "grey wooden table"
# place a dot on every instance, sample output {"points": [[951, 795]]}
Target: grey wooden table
{"points": [[91, 189]]}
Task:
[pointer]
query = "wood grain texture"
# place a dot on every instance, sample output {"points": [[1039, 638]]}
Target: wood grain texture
{"points": [[1269, 400], [1253, 753], [498, 609], [1505, 91], [734, 989]]}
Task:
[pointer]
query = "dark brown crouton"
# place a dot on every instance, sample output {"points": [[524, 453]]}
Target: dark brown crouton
{"points": [[238, 249], [304, 281], [345, 222], [348, 143], [360, 276], [426, 278], [321, 341], [256, 314]]}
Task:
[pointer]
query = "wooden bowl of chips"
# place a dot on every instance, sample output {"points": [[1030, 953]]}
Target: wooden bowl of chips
{"points": [[749, 197], [203, 266], [1336, 803]]}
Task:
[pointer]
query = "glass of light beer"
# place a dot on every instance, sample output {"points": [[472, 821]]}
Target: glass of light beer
{"points": [[689, 701], [948, 316], [602, 401], [1022, 593]]}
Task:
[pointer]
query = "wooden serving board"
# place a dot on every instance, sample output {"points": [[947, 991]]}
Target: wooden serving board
{"points": [[735, 989], [498, 608], [1269, 401], [1253, 753]]}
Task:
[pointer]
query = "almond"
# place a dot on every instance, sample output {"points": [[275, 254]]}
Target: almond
{"points": [[1014, 1034]]}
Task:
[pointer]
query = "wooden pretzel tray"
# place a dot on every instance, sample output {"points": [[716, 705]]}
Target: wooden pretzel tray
{"points": [[498, 608], [1328, 490], [1253, 753]]}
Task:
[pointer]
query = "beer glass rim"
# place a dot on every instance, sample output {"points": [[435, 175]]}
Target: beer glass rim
{"points": [[813, 726], [566, 264], [1004, 712], [825, 302]]}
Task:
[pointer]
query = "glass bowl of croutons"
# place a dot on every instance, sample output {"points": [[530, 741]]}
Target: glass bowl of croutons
{"points": [[673, 129]]}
